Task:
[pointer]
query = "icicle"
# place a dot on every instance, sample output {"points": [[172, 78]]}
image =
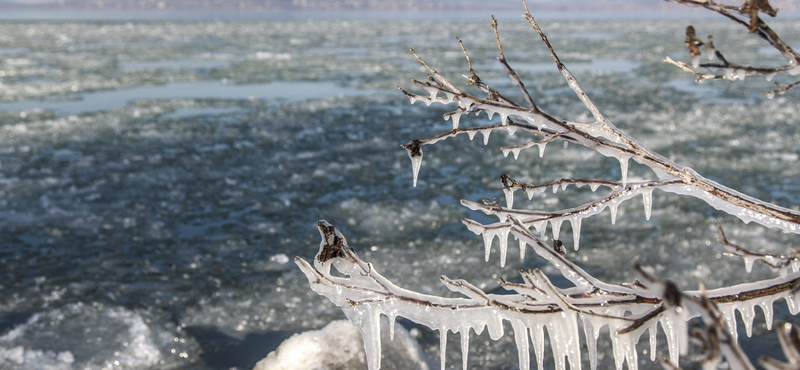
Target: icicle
{"points": [[653, 332], [392, 318], [455, 117], [464, 346], [791, 303], [555, 223], [766, 307], [541, 146], [564, 186], [503, 235], [593, 186], [487, 242], [613, 208], [576, 231], [522, 246], [486, 133], [696, 61], [623, 165], [540, 226], [729, 74], [563, 332], [741, 74], [647, 199], [748, 262], [555, 188], [412, 99], [509, 192], [566, 144], [504, 118], [629, 349], [770, 76], [590, 335], [432, 91], [489, 113], [748, 313], [795, 266], [556, 344], [510, 150], [618, 351], [415, 153], [674, 325], [530, 192], [494, 325], [729, 314], [471, 134], [442, 346], [537, 338], [370, 326], [511, 130], [450, 96], [710, 52], [523, 345]]}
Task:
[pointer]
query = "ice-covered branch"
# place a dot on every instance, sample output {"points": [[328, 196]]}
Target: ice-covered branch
{"points": [[535, 303], [601, 136], [779, 263], [720, 68]]}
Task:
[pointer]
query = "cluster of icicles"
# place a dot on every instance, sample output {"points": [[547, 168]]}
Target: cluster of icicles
{"points": [[364, 295]]}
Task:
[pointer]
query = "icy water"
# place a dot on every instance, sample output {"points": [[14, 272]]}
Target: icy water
{"points": [[157, 178]]}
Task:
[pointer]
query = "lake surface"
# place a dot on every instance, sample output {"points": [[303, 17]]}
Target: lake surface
{"points": [[157, 178]]}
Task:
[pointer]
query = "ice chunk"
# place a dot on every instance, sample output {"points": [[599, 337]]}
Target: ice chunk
{"points": [[339, 346]]}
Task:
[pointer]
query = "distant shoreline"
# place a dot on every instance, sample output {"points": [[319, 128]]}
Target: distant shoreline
{"points": [[302, 15]]}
